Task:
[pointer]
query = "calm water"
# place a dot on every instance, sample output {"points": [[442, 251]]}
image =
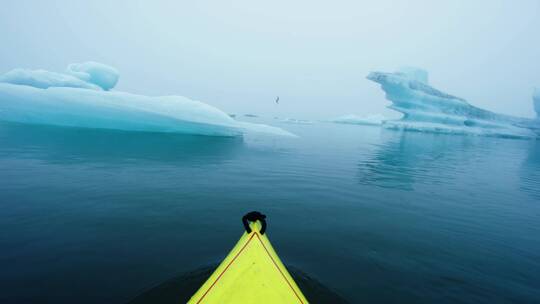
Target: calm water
{"points": [[376, 215]]}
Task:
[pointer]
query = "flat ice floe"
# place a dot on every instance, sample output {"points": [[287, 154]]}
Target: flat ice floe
{"points": [[352, 119], [425, 108], [81, 98], [297, 121]]}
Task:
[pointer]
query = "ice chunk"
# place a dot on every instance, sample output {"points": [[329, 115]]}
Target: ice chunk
{"points": [[535, 124], [428, 109], [96, 73], [297, 121], [372, 119], [87, 75], [34, 103], [44, 79], [414, 74]]}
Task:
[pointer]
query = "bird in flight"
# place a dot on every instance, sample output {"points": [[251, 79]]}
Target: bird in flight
{"points": [[277, 100]]}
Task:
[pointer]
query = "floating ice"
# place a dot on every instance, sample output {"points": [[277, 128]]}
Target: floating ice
{"points": [[535, 124], [428, 109], [44, 79], [58, 99], [414, 73], [297, 121], [372, 119], [96, 73]]}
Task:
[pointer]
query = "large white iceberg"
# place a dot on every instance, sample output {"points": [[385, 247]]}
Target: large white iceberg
{"points": [[535, 124], [425, 108], [79, 98]]}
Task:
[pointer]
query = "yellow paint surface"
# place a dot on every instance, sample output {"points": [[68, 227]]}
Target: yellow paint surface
{"points": [[251, 273]]}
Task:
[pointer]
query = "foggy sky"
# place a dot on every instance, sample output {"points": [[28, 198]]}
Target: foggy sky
{"points": [[238, 55]]}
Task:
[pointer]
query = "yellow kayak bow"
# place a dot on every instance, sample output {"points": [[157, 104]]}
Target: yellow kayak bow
{"points": [[251, 273]]}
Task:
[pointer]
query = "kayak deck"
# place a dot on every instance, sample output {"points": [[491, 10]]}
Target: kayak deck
{"points": [[251, 273]]}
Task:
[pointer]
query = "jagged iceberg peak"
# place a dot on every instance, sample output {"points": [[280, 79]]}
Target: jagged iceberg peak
{"points": [[44, 79], [425, 108], [417, 74], [87, 75], [80, 98]]}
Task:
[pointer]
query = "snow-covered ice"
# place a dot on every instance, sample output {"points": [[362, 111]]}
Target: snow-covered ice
{"points": [[372, 119], [44, 79], [87, 75], [417, 74], [96, 73], [80, 98], [425, 108]]}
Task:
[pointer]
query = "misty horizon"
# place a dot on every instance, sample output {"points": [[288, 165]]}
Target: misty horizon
{"points": [[240, 56]]}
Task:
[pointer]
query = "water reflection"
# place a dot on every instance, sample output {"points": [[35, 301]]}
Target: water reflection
{"points": [[530, 170], [73, 145], [405, 159]]}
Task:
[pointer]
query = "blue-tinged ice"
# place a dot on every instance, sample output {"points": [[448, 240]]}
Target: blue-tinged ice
{"points": [[352, 119], [96, 73], [427, 109], [535, 124], [80, 98], [297, 121], [44, 79], [417, 74]]}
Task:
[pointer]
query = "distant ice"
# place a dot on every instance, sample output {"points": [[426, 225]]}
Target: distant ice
{"points": [[372, 119], [428, 109], [535, 124], [297, 121], [42, 97]]}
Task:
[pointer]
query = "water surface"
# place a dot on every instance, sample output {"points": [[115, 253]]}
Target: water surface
{"points": [[93, 216]]}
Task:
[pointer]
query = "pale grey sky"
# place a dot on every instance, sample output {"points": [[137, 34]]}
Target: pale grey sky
{"points": [[238, 55]]}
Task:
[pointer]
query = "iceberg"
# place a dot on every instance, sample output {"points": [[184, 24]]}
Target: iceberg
{"points": [[87, 75], [427, 109], [535, 124], [370, 120], [81, 98], [96, 73], [44, 79]]}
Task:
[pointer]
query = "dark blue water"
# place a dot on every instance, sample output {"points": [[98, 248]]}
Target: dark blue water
{"points": [[90, 216]]}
